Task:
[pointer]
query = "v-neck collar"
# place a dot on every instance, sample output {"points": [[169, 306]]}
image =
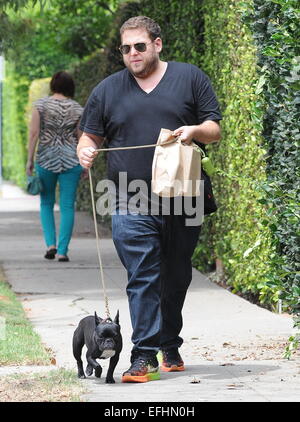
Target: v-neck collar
{"points": [[155, 88]]}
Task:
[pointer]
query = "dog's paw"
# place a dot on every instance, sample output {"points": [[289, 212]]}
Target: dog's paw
{"points": [[89, 370], [98, 371], [110, 381]]}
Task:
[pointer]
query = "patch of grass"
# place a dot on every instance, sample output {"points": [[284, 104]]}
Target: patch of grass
{"points": [[57, 385], [20, 345]]}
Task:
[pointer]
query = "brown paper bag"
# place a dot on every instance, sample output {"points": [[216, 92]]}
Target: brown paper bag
{"points": [[176, 167]]}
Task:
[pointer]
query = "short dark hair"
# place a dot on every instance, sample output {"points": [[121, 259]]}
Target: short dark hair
{"points": [[62, 83], [149, 24]]}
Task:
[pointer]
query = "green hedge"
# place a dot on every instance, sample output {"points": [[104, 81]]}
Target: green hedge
{"points": [[15, 97], [235, 233], [256, 230], [181, 23], [276, 29]]}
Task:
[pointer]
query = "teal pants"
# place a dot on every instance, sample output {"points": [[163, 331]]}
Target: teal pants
{"points": [[68, 182]]}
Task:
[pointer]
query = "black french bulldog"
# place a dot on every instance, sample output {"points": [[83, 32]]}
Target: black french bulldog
{"points": [[103, 340]]}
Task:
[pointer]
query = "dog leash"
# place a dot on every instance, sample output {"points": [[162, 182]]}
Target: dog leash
{"points": [[101, 272], [136, 146]]}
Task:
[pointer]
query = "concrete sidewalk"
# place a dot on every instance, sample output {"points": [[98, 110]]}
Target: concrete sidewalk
{"points": [[232, 350]]}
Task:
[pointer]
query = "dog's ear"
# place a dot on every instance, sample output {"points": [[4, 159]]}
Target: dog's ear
{"points": [[97, 319], [116, 320]]}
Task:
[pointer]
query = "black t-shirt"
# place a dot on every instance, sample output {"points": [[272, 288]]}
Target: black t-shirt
{"points": [[119, 110]]}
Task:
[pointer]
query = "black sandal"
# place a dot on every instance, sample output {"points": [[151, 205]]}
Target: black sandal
{"points": [[64, 259], [50, 254]]}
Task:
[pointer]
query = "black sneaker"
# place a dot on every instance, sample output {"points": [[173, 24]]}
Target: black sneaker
{"points": [[171, 361], [143, 369], [50, 254]]}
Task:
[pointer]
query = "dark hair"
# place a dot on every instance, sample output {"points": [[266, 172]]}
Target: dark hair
{"points": [[62, 83], [149, 24]]}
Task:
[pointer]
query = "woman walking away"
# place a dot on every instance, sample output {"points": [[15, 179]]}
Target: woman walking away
{"points": [[55, 122]]}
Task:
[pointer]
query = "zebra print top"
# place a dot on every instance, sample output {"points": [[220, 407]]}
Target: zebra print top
{"points": [[58, 133]]}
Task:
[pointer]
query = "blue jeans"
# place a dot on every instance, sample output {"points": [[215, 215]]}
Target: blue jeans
{"points": [[68, 182], [158, 263]]}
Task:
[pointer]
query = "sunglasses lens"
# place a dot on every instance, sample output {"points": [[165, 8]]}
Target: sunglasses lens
{"points": [[125, 49], [141, 47]]}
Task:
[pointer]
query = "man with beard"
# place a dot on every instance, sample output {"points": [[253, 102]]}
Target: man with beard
{"points": [[129, 108]]}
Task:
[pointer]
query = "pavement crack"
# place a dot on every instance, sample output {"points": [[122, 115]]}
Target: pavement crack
{"points": [[75, 303], [76, 300]]}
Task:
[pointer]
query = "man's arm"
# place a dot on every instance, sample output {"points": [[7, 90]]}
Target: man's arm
{"points": [[206, 133], [86, 147]]}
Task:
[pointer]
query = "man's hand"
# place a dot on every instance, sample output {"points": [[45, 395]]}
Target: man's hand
{"points": [[185, 133], [86, 149], [207, 132], [86, 156]]}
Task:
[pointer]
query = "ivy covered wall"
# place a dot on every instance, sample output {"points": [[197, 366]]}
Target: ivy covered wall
{"points": [[181, 23], [276, 30], [235, 233]]}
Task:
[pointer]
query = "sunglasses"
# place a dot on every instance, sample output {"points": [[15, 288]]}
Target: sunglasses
{"points": [[141, 47]]}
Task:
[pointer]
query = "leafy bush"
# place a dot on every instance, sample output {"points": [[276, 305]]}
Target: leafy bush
{"points": [[79, 26], [18, 97], [235, 233], [38, 88], [256, 230], [15, 96], [182, 28], [276, 30]]}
